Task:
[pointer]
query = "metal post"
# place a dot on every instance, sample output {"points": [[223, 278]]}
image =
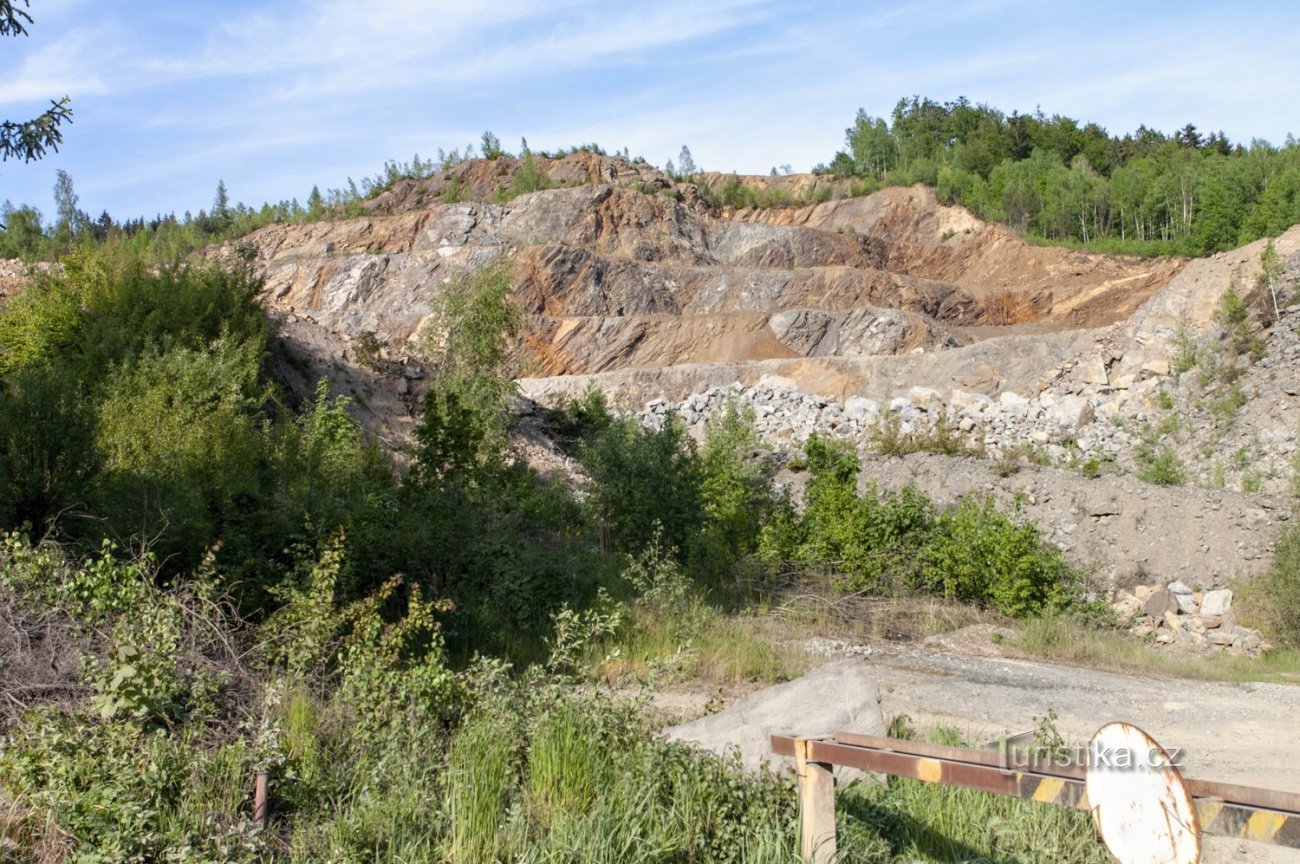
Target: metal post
{"points": [[816, 806]]}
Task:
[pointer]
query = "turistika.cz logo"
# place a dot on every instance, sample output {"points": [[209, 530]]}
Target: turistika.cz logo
{"points": [[1096, 757]]}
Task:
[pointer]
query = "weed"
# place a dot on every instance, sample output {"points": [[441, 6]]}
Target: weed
{"points": [[889, 439], [1226, 408], [1160, 466], [1164, 399], [1184, 344]]}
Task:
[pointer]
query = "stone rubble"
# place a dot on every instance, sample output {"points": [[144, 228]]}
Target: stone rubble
{"points": [[1103, 408], [1180, 617]]}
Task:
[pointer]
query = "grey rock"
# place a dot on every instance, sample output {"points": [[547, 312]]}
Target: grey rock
{"points": [[1102, 507], [1160, 603], [1071, 413]]}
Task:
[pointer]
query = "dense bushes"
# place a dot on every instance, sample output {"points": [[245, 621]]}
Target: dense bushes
{"points": [[1281, 589], [898, 542]]}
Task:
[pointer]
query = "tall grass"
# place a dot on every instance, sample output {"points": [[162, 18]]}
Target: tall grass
{"points": [[1065, 639], [478, 779]]}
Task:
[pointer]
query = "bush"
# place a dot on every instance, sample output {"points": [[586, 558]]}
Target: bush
{"points": [[872, 542], [1160, 466], [896, 542], [47, 446], [641, 478], [981, 554], [735, 488], [1282, 588]]}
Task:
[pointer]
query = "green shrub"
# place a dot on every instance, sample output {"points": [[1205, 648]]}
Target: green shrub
{"points": [[982, 554], [642, 478], [48, 452], [1160, 466], [896, 542], [736, 489], [577, 421], [870, 541], [463, 428], [1282, 588]]}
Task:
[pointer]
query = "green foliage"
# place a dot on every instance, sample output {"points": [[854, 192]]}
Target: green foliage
{"points": [[736, 490], [628, 459], [888, 438], [1233, 313], [1055, 178], [1160, 465], [577, 421], [526, 179], [1282, 588], [870, 541], [980, 553], [474, 324], [48, 452], [490, 146], [898, 542], [128, 794], [1184, 345]]}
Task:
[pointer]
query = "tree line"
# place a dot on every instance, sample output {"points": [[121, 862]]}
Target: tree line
{"points": [[1065, 181]]}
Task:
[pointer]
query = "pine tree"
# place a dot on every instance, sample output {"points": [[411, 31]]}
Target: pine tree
{"points": [[315, 204]]}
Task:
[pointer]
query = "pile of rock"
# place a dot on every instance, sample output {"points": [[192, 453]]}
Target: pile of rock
{"points": [[1058, 426], [1178, 616]]}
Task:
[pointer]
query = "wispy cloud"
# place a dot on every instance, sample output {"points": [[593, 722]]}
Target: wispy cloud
{"points": [[270, 94]]}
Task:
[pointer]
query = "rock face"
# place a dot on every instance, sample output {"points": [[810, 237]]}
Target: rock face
{"points": [[885, 315], [839, 697], [614, 277]]}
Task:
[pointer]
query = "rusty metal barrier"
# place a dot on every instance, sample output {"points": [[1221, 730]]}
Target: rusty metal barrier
{"points": [[1262, 815]]}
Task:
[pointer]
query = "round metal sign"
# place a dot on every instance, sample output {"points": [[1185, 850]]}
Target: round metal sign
{"points": [[1142, 809]]}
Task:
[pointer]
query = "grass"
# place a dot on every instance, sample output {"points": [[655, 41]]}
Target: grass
{"points": [[1061, 639], [888, 438], [706, 645]]}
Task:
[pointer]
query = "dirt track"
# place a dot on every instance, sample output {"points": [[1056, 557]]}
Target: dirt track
{"points": [[1242, 733]]}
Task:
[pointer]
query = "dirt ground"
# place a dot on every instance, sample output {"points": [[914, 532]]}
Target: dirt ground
{"points": [[1240, 733]]}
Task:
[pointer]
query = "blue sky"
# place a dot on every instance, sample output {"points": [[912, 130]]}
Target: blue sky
{"points": [[276, 95]]}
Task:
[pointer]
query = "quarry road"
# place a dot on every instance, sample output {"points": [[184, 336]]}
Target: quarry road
{"points": [[1240, 733]]}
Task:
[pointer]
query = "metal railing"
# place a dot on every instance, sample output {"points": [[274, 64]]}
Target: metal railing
{"points": [[1262, 815]]}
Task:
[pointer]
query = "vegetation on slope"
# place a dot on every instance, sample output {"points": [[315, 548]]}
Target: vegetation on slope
{"points": [[1064, 181], [1051, 178], [252, 589]]}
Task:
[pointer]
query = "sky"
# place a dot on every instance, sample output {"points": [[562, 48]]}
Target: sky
{"points": [[275, 96]]}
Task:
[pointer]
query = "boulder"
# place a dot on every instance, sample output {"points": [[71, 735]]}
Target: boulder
{"points": [[1215, 604], [1070, 413], [838, 697], [1159, 603], [1126, 605], [1009, 399], [1156, 367], [971, 403], [859, 408], [1185, 596], [1102, 507], [1094, 372], [925, 398]]}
